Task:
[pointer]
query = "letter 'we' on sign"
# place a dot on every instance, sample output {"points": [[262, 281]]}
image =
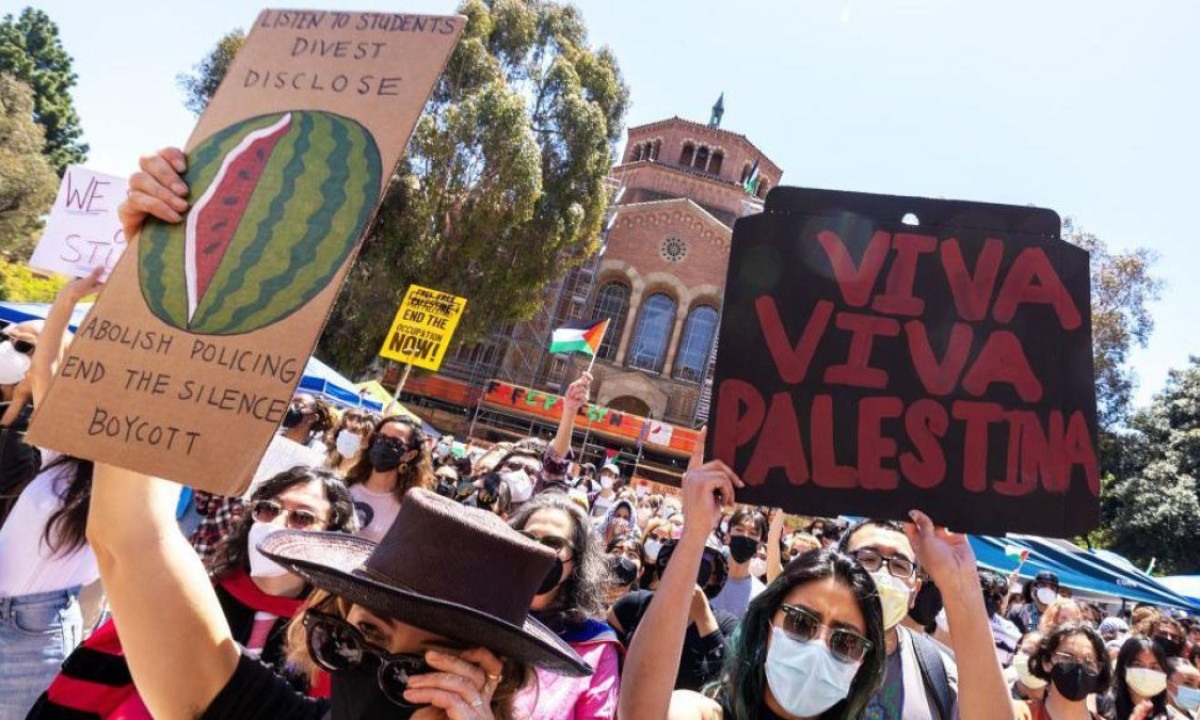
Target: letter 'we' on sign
{"points": [[883, 366], [187, 362], [423, 327]]}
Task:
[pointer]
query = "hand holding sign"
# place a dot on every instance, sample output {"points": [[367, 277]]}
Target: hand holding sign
{"points": [[707, 491], [945, 555], [157, 189]]}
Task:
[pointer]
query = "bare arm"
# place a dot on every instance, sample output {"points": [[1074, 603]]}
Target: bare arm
{"points": [[653, 659], [50, 349], [576, 397], [982, 692], [774, 553], [162, 601]]}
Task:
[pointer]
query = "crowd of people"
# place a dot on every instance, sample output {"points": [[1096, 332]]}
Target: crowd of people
{"points": [[404, 575]]}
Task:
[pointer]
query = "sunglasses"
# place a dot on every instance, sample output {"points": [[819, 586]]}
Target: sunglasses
{"points": [[556, 544], [22, 346], [802, 625], [265, 511], [897, 565], [336, 646]]}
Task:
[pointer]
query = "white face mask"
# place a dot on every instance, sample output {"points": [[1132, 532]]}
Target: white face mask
{"points": [[805, 678], [13, 365], [348, 443], [651, 549], [1146, 682], [519, 484], [1046, 595], [261, 565], [606, 481], [1020, 663], [758, 567], [1188, 698], [893, 595]]}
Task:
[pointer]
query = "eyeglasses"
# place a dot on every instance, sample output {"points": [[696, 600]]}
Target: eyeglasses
{"points": [[22, 346], [897, 565], [265, 511], [1090, 666], [804, 626], [553, 542], [336, 645]]}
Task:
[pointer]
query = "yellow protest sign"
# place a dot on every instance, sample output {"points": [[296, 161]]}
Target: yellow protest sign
{"points": [[423, 327]]}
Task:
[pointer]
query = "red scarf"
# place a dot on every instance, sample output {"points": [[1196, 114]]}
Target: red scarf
{"points": [[247, 593]]}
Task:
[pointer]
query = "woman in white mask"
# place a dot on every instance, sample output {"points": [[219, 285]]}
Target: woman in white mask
{"points": [[1026, 685], [812, 644], [1139, 687], [258, 596], [349, 438], [1183, 689]]}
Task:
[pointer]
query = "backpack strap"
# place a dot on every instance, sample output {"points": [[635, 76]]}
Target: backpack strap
{"points": [[933, 673]]}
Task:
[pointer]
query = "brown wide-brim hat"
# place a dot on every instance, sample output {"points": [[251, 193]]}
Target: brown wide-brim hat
{"points": [[447, 569]]}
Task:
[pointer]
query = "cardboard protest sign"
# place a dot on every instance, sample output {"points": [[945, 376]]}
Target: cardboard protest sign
{"points": [[188, 360], [882, 366], [83, 230], [423, 327]]}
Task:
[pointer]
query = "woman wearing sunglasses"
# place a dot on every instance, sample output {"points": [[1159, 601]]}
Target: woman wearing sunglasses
{"points": [[258, 598], [47, 570], [1072, 659], [395, 461], [569, 602], [812, 644]]}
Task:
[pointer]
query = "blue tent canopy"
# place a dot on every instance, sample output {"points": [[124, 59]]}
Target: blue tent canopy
{"points": [[1077, 569], [318, 377]]}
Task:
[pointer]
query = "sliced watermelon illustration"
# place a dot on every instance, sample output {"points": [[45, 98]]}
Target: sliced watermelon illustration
{"points": [[214, 218]]}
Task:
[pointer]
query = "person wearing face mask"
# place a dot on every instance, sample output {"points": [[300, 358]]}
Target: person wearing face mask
{"points": [[351, 435], [603, 499], [395, 462], [1072, 661], [1007, 635], [621, 519], [812, 645], [1165, 632], [1183, 689], [568, 602], [1037, 596], [258, 598], [307, 420], [1026, 685], [1139, 685], [657, 533], [747, 530], [624, 567], [19, 461]]}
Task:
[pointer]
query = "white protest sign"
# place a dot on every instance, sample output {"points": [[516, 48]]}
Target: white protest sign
{"points": [[83, 230]]}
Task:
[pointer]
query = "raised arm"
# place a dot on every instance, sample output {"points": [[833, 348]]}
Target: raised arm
{"points": [[653, 658], [51, 346], [774, 551], [949, 560], [576, 397]]}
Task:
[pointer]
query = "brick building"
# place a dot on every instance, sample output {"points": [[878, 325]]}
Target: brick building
{"points": [[676, 192]]}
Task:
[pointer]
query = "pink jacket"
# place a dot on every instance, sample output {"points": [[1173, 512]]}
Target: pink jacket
{"points": [[555, 697]]}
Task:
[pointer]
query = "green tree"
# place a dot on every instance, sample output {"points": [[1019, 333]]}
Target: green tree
{"points": [[20, 284], [199, 85], [1153, 511], [31, 51], [503, 185], [27, 181]]}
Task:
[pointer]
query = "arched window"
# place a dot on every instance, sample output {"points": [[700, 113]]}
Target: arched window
{"points": [[654, 150], [612, 302], [636, 154], [714, 165], [685, 157], [745, 173], [655, 322], [702, 158], [763, 187], [698, 333]]}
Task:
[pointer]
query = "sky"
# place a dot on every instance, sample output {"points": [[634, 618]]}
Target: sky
{"points": [[1088, 107]]}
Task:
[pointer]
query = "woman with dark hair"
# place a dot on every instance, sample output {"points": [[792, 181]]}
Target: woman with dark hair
{"points": [[45, 560], [1072, 660], [307, 421], [257, 596], [569, 602], [349, 439], [624, 567], [812, 644], [1026, 685], [1139, 686], [396, 461]]}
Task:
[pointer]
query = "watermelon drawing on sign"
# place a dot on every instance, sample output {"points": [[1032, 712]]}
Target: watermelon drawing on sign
{"points": [[278, 203]]}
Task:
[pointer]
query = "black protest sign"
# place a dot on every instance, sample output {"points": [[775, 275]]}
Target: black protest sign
{"points": [[883, 365]]}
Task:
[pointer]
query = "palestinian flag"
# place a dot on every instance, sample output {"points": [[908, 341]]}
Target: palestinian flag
{"points": [[584, 337], [1017, 553], [750, 185]]}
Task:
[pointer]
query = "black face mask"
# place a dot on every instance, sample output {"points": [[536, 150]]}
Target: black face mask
{"points": [[623, 569], [1073, 681], [292, 418], [1169, 647], [384, 457], [741, 549], [553, 578], [355, 695]]}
